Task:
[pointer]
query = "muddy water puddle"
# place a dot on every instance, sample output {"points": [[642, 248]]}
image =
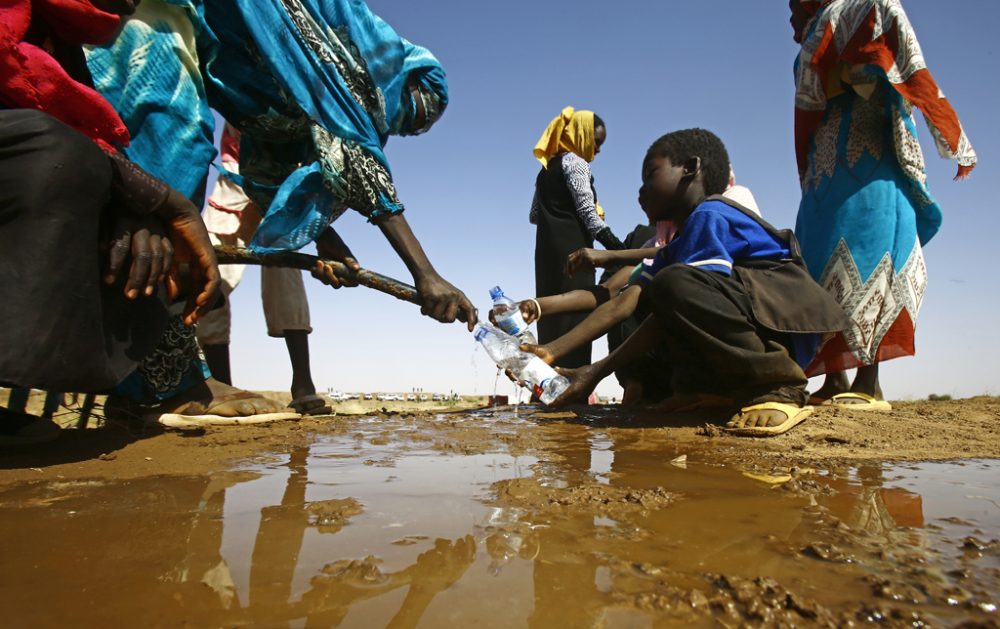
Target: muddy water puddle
{"points": [[497, 520]]}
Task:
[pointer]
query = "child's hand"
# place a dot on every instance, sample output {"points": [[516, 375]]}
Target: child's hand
{"points": [[582, 382], [585, 261], [529, 311], [542, 351], [510, 376]]}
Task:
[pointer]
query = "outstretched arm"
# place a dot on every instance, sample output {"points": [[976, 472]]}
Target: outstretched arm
{"points": [[596, 324], [440, 300], [586, 260], [584, 379], [574, 300]]}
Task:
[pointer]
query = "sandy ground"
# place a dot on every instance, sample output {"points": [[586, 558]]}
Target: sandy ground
{"points": [[913, 431]]}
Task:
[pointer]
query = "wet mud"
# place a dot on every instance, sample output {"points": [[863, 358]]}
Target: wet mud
{"points": [[510, 518]]}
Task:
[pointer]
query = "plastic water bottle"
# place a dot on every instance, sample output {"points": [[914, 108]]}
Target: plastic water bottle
{"points": [[508, 317], [505, 351]]}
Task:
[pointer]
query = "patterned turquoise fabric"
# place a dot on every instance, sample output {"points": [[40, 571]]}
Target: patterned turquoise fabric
{"points": [[326, 80]]}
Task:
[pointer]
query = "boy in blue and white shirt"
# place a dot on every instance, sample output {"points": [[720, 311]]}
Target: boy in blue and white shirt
{"points": [[733, 309]]}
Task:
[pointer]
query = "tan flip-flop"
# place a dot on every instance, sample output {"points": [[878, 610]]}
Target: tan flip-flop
{"points": [[177, 420], [865, 403], [794, 415], [192, 414]]}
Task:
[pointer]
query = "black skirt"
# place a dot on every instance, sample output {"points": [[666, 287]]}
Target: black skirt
{"points": [[61, 327]]}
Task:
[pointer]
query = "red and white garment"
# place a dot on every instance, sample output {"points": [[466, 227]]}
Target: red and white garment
{"points": [[851, 34]]}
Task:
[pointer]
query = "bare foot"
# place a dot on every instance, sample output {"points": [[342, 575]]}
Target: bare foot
{"points": [[212, 397], [866, 381], [227, 401]]}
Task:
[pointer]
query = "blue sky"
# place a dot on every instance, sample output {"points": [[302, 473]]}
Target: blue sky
{"points": [[647, 68]]}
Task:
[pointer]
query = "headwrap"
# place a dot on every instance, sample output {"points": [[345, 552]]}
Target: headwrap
{"points": [[150, 73], [32, 78], [569, 132], [844, 38], [348, 73]]}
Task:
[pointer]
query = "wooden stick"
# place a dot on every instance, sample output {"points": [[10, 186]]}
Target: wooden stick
{"points": [[227, 254]]}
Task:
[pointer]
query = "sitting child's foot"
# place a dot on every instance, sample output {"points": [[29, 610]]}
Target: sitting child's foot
{"points": [[767, 419]]}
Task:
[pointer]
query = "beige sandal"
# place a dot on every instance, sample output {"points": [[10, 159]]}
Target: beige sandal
{"points": [[794, 415]]}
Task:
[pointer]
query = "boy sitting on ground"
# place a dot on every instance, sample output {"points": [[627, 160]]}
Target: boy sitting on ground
{"points": [[733, 309], [645, 380]]}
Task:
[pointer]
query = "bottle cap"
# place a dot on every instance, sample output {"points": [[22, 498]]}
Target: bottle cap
{"points": [[495, 292]]}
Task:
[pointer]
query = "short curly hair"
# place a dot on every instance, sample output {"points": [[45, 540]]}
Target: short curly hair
{"points": [[679, 146]]}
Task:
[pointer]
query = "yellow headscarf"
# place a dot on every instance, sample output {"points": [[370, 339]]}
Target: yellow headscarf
{"points": [[571, 131]]}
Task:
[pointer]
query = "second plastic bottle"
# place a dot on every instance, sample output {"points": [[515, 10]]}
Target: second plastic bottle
{"points": [[505, 351]]}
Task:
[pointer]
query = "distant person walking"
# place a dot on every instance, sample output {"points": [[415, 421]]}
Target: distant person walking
{"points": [[568, 216], [866, 211]]}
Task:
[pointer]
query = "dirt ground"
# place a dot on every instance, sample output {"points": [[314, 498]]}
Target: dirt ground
{"points": [[912, 431]]}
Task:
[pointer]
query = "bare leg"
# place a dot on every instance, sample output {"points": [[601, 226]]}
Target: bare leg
{"points": [[835, 382], [866, 381], [217, 357], [297, 342]]}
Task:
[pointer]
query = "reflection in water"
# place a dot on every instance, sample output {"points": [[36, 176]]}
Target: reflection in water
{"points": [[865, 503], [601, 530], [506, 535], [342, 583]]}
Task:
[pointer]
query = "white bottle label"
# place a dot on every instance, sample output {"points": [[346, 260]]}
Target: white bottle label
{"points": [[537, 373]]}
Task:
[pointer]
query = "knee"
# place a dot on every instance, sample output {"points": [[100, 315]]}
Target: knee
{"points": [[57, 139], [671, 288], [67, 160]]}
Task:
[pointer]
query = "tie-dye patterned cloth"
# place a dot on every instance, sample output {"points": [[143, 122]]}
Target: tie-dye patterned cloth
{"points": [[150, 74]]}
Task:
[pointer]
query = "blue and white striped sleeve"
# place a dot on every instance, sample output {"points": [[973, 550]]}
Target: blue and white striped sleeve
{"points": [[702, 243]]}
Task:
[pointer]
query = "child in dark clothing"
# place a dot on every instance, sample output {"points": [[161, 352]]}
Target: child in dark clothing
{"points": [[733, 309]]}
